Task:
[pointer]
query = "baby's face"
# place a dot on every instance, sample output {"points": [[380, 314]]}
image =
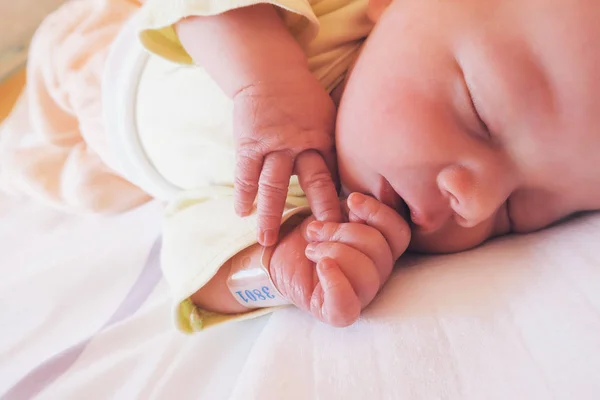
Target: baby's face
{"points": [[483, 117]]}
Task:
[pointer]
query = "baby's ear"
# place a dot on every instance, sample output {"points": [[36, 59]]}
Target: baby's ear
{"points": [[376, 8]]}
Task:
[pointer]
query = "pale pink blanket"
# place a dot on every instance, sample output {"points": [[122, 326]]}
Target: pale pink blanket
{"points": [[63, 159]]}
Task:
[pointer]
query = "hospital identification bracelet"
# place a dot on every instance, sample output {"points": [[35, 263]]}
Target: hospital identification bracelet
{"points": [[249, 281]]}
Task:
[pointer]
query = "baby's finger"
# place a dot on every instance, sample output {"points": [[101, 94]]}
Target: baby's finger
{"points": [[317, 183], [366, 239], [272, 193], [356, 267], [352, 217], [334, 301], [381, 217], [247, 173], [330, 158]]}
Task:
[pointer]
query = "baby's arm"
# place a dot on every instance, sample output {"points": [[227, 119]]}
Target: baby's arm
{"points": [[242, 47], [332, 270], [283, 118], [215, 295]]}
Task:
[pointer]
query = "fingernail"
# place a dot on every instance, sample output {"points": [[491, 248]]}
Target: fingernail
{"points": [[314, 229], [310, 251], [267, 238], [242, 209], [270, 237], [356, 199]]}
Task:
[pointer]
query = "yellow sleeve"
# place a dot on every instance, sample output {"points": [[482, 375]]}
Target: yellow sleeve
{"points": [[201, 232], [157, 18]]}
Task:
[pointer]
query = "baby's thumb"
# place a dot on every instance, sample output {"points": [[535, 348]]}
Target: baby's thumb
{"points": [[334, 301]]}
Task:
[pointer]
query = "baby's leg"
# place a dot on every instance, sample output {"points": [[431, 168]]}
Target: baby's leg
{"points": [[64, 159]]}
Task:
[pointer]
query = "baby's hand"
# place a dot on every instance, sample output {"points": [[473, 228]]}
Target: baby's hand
{"points": [[284, 125], [353, 260]]}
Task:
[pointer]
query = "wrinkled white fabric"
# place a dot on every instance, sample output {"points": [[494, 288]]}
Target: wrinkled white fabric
{"points": [[516, 319]]}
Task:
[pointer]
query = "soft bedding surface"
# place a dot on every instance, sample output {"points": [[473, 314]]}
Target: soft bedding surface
{"points": [[85, 314]]}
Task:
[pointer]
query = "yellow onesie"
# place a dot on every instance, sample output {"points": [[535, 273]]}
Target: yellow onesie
{"points": [[201, 230]]}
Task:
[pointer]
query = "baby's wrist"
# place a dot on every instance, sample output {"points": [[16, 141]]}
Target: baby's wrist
{"points": [[221, 296], [249, 281]]}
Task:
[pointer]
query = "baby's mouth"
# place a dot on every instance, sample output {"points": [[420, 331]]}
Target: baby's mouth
{"points": [[404, 211], [389, 197]]}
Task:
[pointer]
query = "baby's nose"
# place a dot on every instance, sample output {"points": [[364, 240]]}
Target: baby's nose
{"points": [[473, 198]]}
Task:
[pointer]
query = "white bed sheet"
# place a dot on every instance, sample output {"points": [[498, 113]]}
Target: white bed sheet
{"points": [[516, 319]]}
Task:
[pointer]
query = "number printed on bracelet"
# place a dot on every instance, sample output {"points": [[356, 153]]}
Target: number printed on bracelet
{"points": [[255, 295]]}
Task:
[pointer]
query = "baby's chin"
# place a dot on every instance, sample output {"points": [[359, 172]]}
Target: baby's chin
{"points": [[448, 240], [427, 245]]}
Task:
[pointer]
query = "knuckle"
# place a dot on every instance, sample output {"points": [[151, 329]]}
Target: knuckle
{"points": [[245, 186], [250, 148], [247, 165], [374, 210], [268, 219], [333, 231], [318, 180], [275, 174], [272, 189], [319, 139], [328, 212], [330, 249]]}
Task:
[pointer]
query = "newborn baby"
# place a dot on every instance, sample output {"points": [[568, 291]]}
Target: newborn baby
{"points": [[462, 118], [456, 123]]}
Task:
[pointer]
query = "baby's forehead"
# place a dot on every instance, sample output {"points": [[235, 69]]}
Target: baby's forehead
{"points": [[557, 41], [574, 18]]}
